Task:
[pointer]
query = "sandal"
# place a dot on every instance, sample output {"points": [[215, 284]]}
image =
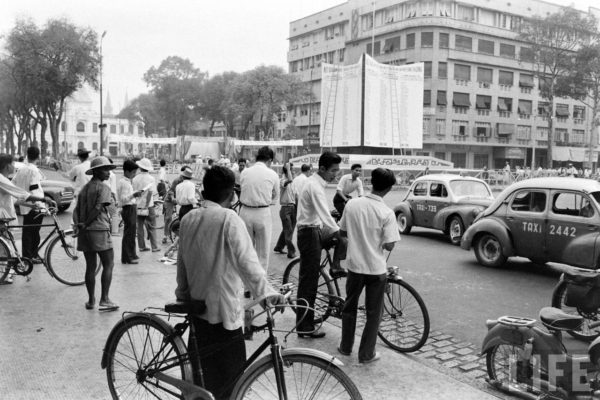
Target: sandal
{"points": [[89, 306], [107, 306]]}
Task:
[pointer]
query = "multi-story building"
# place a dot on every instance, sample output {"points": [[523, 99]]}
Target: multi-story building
{"points": [[481, 101], [80, 127]]}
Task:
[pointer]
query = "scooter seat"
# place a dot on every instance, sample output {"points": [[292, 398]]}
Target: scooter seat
{"points": [[555, 319], [582, 277]]}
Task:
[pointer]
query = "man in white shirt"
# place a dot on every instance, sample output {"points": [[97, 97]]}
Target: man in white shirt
{"points": [[371, 228], [259, 186], [185, 193], [300, 180], [146, 214], [127, 199], [215, 259], [347, 185], [29, 179], [78, 173], [162, 171], [9, 192], [316, 228]]}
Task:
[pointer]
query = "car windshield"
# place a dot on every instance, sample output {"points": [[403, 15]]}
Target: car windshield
{"points": [[468, 188], [596, 196]]}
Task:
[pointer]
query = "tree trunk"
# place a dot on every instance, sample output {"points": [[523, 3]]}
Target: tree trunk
{"points": [[550, 133]]}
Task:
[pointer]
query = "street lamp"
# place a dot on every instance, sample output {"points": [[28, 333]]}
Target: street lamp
{"points": [[102, 125]]}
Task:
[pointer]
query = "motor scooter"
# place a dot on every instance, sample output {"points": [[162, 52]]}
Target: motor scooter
{"points": [[527, 361]]}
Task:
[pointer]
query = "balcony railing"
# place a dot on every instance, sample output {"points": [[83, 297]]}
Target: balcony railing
{"points": [[504, 114], [526, 90], [483, 113], [460, 82], [562, 120], [578, 121], [484, 85], [524, 116], [461, 110]]}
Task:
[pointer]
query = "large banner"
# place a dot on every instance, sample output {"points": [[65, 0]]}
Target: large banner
{"points": [[393, 97], [341, 91], [369, 162], [137, 139], [393, 105], [270, 143]]}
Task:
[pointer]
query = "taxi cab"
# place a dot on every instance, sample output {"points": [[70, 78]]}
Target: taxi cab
{"points": [[445, 202], [543, 219]]}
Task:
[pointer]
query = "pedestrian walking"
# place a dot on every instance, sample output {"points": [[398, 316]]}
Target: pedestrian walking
{"points": [[171, 202], [185, 193], [507, 175], [287, 213], [8, 192], [348, 184], [162, 171], [146, 214], [77, 174], [259, 186], [29, 178], [316, 229], [215, 255], [91, 219], [127, 199], [371, 228]]}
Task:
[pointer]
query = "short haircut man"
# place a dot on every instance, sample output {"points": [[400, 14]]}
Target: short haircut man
{"points": [[163, 162], [329, 158], [218, 183], [129, 165], [265, 154], [354, 166], [33, 153], [5, 160], [305, 168]]}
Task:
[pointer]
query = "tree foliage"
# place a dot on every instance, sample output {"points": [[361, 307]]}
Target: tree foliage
{"points": [[554, 41]]}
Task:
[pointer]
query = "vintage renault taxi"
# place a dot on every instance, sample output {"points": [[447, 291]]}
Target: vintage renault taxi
{"points": [[445, 202], [543, 219]]}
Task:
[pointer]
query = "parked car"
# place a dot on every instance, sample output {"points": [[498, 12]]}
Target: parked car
{"points": [[62, 192], [544, 219], [445, 202]]}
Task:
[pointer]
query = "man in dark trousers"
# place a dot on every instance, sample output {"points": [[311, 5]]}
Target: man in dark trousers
{"points": [[127, 198]]}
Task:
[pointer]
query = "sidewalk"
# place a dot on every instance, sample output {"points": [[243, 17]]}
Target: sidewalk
{"points": [[51, 347]]}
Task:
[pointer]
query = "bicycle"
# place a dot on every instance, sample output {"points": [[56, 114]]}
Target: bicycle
{"points": [[144, 356], [405, 322], [68, 267]]}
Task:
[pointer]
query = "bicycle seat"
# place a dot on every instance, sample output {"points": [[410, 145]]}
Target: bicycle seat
{"points": [[6, 220], [186, 307], [582, 277], [555, 319]]}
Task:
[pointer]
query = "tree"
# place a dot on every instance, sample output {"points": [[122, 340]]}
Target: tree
{"points": [[554, 40], [176, 85], [213, 98]]}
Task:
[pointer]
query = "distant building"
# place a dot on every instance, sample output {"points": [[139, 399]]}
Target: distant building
{"points": [[481, 101], [80, 127]]}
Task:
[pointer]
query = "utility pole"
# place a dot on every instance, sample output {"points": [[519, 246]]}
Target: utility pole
{"points": [[102, 124]]}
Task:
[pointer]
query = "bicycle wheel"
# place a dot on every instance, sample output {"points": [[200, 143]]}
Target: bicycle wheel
{"points": [[66, 263], [325, 291], [590, 329], [306, 377], [405, 320], [138, 346], [4, 264], [499, 359]]}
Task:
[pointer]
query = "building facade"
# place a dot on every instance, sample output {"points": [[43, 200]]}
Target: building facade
{"points": [[481, 102], [80, 127]]}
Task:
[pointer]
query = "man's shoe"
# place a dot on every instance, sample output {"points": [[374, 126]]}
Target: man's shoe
{"points": [[312, 335], [292, 255], [342, 352], [280, 251], [7, 281], [37, 260], [145, 249], [130, 262], [155, 250], [376, 357]]}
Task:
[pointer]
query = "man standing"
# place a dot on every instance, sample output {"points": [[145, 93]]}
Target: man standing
{"points": [[170, 201], [241, 167], [259, 189], [126, 197], [287, 213], [215, 258], [29, 179], [348, 184], [9, 192], [300, 180], [185, 193], [316, 228], [78, 173], [371, 228], [146, 216], [92, 227]]}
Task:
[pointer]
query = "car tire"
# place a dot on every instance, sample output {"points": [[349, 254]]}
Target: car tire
{"points": [[456, 229], [404, 226], [488, 251]]}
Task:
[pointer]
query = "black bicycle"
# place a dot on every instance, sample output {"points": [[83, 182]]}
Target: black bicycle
{"points": [[145, 357], [405, 321], [62, 259]]}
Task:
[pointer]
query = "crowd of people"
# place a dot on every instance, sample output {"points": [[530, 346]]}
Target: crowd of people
{"points": [[224, 255]]}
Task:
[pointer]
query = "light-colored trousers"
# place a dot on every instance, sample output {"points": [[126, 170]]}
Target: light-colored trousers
{"points": [[258, 223]]}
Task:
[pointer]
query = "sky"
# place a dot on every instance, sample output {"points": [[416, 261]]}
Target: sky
{"points": [[216, 36]]}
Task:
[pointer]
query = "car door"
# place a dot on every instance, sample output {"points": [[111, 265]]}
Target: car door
{"points": [[573, 229], [438, 200], [418, 203], [526, 219]]}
